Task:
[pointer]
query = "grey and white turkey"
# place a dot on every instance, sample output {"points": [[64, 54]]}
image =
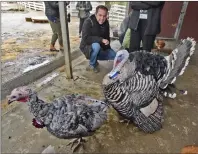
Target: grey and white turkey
{"points": [[67, 117], [134, 85]]}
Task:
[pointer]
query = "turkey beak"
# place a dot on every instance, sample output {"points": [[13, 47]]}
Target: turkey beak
{"points": [[9, 100]]}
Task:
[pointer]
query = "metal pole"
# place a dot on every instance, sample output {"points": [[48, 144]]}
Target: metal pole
{"points": [[65, 35], [127, 9], [180, 20]]}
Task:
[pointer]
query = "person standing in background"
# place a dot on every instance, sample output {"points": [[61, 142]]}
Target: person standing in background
{"points": [[52, 13], [145, 24], [84, 8]]}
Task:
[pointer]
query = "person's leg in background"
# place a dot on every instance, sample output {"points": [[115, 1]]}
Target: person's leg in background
{"points": [[121, 38], [142, 27], [135, 39], [54, 36], [59, 32], [80, 26], [148, 41], [108, 54], [93, 58]]}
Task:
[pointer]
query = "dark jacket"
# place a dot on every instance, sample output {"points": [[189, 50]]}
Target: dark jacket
{"points": [[154, 16], [93, 32], [85, 7], [52, 9]]}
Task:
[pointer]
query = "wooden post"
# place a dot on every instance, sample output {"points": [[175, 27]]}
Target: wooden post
{"points": [[127, 9], [34, 6], [65, 35], [43, 6], [180, 20]]}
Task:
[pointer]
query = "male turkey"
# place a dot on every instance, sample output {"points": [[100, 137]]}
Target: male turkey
{"points": [[71, 116], [134, 85]]}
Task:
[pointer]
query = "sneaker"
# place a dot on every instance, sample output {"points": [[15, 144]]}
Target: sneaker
{"points": [[97, 64], [54, 50], [92, 69]]}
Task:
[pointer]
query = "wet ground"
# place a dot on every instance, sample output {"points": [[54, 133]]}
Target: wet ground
{"points": [[26, 41], [179, 128], [25, 44]]}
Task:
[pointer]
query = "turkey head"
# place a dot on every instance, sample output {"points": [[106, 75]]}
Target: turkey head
{"points": [[20, 94]]}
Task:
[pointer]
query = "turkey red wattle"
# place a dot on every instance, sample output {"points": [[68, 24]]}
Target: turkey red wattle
{"points": [[24, 99], [38, 124]]}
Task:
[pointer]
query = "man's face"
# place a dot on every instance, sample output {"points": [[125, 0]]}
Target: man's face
{"points": [[101, 16]]}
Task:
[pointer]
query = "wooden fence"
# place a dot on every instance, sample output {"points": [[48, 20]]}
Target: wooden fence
{"points": [[116, 13]]}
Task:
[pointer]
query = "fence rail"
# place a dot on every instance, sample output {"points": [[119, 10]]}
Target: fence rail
{"points": [[37, 6], [116, 13]]}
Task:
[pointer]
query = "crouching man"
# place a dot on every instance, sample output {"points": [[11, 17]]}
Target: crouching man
{"points": [[95, 43]]}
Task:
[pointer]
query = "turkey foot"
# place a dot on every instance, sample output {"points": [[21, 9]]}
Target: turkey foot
{"points": [[125, 121], [79, 141]]}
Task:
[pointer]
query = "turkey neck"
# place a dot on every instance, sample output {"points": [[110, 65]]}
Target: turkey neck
{"points": [[37, 106]]}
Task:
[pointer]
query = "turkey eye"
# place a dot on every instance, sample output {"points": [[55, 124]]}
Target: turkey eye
{"points": [[20, 94], [13, 97]]}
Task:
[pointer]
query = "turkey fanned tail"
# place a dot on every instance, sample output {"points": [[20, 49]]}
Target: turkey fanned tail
{"points": [[177, 61]]}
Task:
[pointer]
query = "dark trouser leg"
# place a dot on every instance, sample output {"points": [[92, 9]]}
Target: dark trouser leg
{"points": [[81, 24], [135, 39], [121, 38], [148, 41]]}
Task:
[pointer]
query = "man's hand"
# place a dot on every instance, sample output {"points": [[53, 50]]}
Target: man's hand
{"points": [[105, 41]]}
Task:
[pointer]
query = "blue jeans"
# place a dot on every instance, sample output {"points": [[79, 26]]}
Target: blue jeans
{"points": [[98, 54]]}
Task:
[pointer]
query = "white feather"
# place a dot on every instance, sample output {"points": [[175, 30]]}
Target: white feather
{"points": [[173, 80], [48, 150]]}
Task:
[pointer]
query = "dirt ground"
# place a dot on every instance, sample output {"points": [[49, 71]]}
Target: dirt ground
{"points": [[27, 43], [179, 128]]}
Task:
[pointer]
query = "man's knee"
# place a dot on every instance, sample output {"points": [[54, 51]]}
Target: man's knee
{"points": [[96, 47], [112, 54]]}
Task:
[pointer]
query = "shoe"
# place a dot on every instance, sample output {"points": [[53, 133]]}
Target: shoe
{"points": [[97, 64], [92, 69], [54, 50]]}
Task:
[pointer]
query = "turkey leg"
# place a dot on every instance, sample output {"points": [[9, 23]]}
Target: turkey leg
{"points": [[125, 121], [79, 141]]}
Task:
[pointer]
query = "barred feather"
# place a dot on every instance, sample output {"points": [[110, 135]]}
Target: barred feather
{"points": [[177, 61], [140, 80], [70, 116]]}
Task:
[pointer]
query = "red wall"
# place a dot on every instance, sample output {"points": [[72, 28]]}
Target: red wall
{"points": [[170, 16], [190, 24]]}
